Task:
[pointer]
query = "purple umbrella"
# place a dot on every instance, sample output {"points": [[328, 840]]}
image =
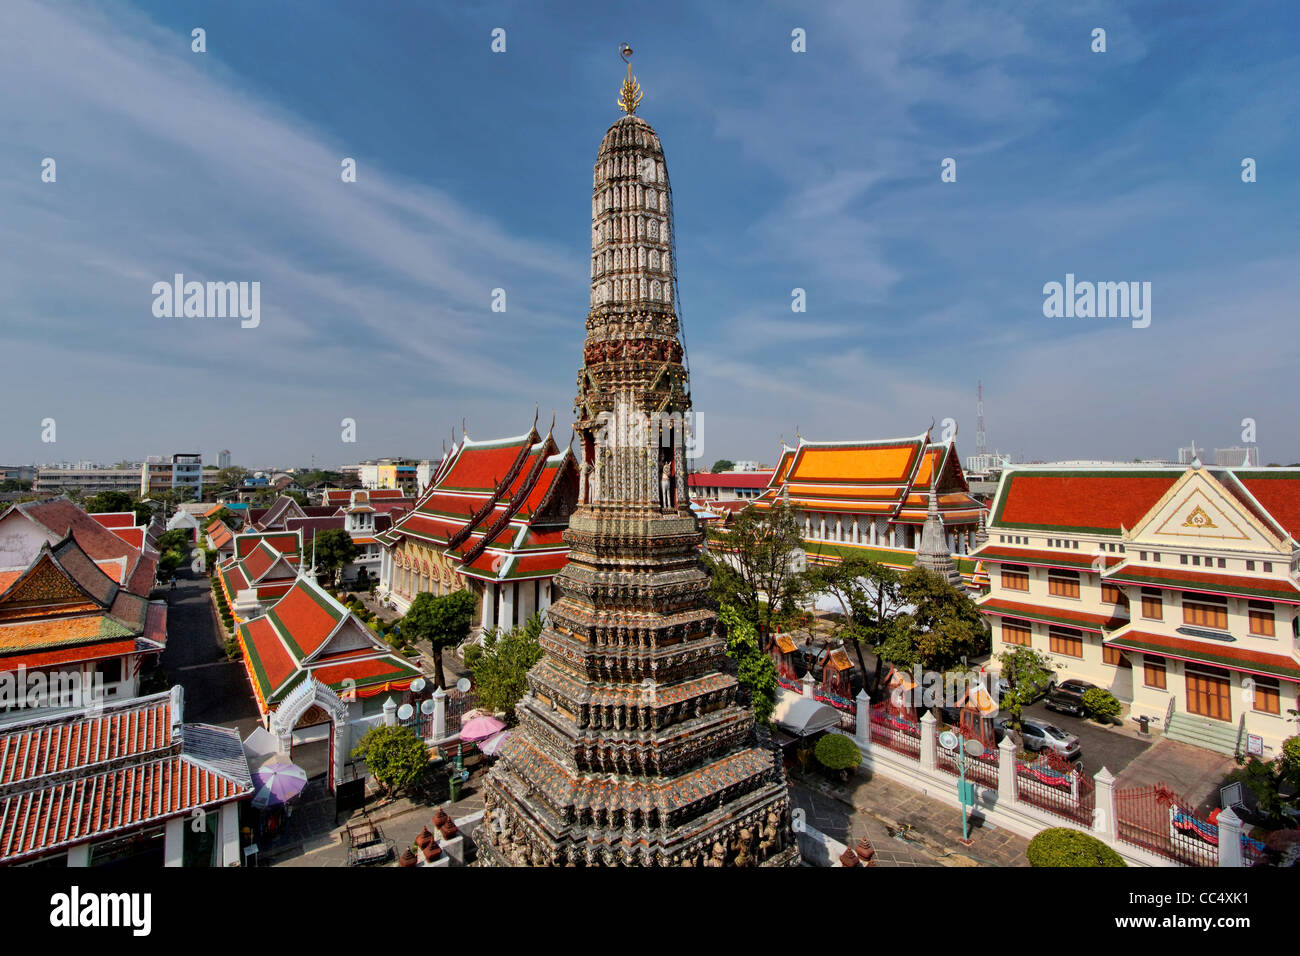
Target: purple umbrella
{"points": [[493, 744], [480, 728], [277, 782]]}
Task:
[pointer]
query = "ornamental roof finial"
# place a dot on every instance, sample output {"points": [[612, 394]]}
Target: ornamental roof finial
{"points": [[630, 96]]}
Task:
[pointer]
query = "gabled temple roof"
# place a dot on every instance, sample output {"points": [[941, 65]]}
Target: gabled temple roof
{"points": [[308, 632], [889, 478], [60, 517], [497, 508], [63, 608]]}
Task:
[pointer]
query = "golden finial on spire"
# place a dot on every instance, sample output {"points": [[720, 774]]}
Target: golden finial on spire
{"points": [[630, 96]]}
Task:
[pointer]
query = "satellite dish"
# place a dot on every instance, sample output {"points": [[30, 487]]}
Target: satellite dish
{"points": [[405, 712], [426, 706], [974, 748], [418, 685], [948, 740], [463, 685]]}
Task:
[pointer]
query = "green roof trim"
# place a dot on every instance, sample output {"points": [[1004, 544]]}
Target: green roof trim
{"points": [[1207, 656]]}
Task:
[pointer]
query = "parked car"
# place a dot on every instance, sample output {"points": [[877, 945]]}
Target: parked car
{"points": [[1039, 690], [1068, 696], [1040, 735]]}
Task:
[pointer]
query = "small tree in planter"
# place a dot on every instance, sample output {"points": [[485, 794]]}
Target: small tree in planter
{"points": [[839, 754], [1062, 846], [1101, 705], [394, 756]]}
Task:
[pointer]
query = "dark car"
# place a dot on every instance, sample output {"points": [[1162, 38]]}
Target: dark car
{"points": [[1068, 696]]}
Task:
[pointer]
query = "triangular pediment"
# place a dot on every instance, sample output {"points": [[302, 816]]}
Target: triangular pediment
{"points": [[1199, 511], [47, 586]]}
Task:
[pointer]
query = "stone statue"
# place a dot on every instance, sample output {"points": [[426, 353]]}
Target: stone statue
{"points": [[666, 485]]}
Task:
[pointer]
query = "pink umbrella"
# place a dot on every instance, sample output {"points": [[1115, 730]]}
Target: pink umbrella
{"points": [[480, 728]]}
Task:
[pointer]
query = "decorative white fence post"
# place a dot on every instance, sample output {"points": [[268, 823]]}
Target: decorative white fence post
{"points": [[808, 686], [1007, 772], [862, 728], [1230, 839], [1105, 823], [390, 713], [929, 743], [439, 714]]}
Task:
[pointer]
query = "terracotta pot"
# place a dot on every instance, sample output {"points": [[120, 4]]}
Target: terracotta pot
{"points": [[849, 858], [424, 839], [407, 858], [432, 851]]}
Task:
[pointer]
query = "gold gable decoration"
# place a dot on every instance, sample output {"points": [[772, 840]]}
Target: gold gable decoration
{"points": [[1197, 518]]}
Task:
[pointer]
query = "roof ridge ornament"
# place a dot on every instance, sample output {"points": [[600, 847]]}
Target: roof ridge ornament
{"points": [[629, 97]]}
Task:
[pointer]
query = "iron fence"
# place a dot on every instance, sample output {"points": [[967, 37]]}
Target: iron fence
{"points": [[1052, 783], [897, 733]]}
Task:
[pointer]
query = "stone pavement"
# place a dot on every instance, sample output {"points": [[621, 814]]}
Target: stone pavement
{"points": [[839, 822], [881, 803], [400, 820]]}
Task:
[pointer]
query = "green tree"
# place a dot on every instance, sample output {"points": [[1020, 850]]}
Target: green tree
{"points": [[756, 565], [442, 620], [394, 755], [108, 501], [143, 513], [869, 598], [943, 626], [335, 550], [500, 667], [231, 477], [1027, 673], [178, 539], [755, 671], [723, 464]]}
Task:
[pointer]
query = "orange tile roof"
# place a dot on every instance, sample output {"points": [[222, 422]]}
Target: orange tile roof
{"points": [[1082, 501], [86, 775]]}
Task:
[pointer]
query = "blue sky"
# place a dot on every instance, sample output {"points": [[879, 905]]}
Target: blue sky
{"points": [[817, 170]]}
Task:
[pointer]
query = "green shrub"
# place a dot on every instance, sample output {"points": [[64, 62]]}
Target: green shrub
{"points": [[1100, 704], [1291, 753], [837, 752], [1061, 846]]}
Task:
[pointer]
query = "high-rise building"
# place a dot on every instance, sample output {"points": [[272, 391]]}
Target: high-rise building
{"points": [[223, 458], [1239, 456], [632, 748]]}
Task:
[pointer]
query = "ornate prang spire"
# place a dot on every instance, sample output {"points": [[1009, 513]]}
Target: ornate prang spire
{"points": [[632, 747], [630, 96]]}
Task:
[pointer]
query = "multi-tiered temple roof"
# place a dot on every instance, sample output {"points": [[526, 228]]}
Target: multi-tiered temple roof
{"points": [[890, 478], [496, 508]]}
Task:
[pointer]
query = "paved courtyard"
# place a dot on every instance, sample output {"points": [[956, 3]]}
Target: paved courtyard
{"points": [[1193, 772], [881, 807]]}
